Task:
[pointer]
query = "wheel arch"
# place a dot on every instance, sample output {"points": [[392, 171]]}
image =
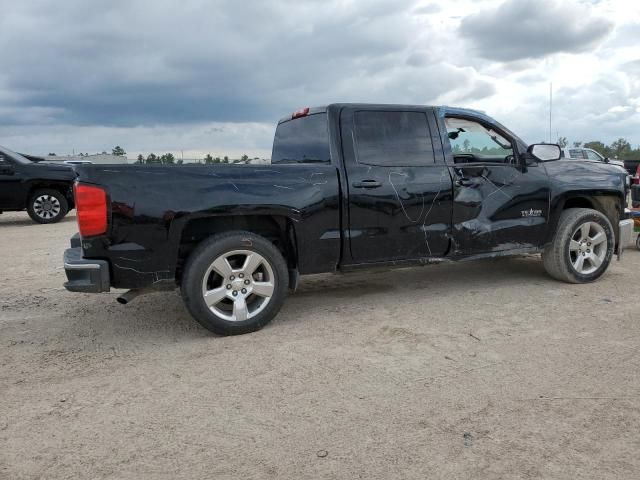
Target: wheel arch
{"points": [[607, 203], [278, 229]]}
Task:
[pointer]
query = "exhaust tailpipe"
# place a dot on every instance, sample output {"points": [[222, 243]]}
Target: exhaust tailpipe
{"points": [[127, 297]]}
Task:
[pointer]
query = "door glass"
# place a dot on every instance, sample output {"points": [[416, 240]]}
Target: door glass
{"points": [[392, 139], [593, 155], [576, 153], [475, 142]]}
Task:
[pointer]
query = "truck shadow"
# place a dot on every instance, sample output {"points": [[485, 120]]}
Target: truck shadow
{"points": [[162, 318]]}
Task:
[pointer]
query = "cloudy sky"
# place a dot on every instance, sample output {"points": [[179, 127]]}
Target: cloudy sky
{"points": [[214, 76]]}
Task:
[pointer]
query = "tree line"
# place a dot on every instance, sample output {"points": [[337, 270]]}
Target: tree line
{"points": [[170, 159]]}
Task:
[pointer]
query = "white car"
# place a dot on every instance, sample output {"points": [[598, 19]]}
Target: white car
{"points": [[579, 153]]}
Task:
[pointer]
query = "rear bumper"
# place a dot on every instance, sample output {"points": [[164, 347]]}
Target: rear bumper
{"points": [[84, 275]]}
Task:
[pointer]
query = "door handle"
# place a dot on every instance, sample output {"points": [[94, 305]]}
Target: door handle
{"points": [[367, 184], [463, 182]]}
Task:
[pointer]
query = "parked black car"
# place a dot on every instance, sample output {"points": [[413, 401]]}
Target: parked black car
{"points": [[350, 187], [43, 189]]}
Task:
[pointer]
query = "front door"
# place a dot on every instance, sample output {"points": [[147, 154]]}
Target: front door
{"points": [[499, 203], [400, 196], [11, 195]]}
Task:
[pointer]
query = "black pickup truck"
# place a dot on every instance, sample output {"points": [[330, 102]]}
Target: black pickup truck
{"points": [[43, 189], [350, 186]]}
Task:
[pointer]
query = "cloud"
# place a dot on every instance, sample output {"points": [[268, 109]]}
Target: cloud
{"points": [[146, 62], [521, 29], [215, 75]]}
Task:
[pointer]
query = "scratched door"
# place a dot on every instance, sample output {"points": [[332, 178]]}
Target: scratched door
{"points": [[400, 191], [499, 203]]}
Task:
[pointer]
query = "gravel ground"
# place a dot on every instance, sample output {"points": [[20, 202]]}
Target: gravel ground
{"points": [[478, 370]]}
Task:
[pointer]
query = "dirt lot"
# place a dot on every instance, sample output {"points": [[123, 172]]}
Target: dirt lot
{"points": [[477, 370]]}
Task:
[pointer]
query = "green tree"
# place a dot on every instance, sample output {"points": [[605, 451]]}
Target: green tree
{"points": [[244, 159], [225, 159], [140, 159], [599, 147], [577, 144], [563, 142], [621, 148], [208, 159], [168, 159], [217, 160], [152, 159], [118, 151]]}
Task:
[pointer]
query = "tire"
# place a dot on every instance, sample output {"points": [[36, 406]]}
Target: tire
{"points": [[220, 266], [47, 206], [582, 247]]}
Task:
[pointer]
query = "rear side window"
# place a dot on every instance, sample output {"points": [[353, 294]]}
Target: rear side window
{"points": [[392, 139], [302, 140], [576, 153]]}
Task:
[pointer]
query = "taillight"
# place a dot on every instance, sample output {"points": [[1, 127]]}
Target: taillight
{"points": [[303, 112], [91, 210], [636, 179]]}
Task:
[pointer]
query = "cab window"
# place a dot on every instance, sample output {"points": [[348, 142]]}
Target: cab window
{"points": [[593, 156], [473, 142], [577, 153], [302, 140], [392, 139]]}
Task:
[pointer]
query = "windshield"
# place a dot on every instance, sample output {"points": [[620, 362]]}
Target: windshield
{"points": [[15, 156]]}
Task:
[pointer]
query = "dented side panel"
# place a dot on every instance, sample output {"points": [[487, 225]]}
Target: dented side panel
{"points": [[499, 207]]}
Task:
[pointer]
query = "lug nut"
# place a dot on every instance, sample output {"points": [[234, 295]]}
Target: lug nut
{"points": [[235, 293], [244, 290], [588, 251], [247, 282], [241, 275], [229, 287], [232, 278]]}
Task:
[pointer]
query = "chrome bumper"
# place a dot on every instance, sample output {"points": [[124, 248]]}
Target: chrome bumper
{"points": [[625, 233]]}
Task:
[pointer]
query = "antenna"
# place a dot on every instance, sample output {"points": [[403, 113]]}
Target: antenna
{"points": [[550, 109]]}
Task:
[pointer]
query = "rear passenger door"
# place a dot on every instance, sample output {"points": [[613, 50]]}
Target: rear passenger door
{"points": [[399, 189]]}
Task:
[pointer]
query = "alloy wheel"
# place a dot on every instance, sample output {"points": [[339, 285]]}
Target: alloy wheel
{"points": [[46, 207], [588, 247], [238, 285]]}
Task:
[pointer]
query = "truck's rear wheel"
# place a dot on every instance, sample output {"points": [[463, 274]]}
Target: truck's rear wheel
{"points": [[582, 247], [47, 206], [235, 283]]}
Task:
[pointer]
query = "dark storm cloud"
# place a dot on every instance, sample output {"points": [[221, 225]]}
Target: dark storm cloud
{"points": [[520, 29], [127, 63]]}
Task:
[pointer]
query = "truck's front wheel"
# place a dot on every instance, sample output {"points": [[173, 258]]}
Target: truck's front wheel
{"points": [[582, 247], [235, 283]]}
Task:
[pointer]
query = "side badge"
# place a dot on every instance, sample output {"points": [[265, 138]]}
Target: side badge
{"points": [[531, 213]]}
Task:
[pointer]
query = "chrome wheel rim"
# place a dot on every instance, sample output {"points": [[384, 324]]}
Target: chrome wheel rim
{"points": [[238, 285], [588, 248], [46, 206]]}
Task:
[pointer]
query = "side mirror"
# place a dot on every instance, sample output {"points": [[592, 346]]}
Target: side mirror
{"points": [[545, 152], [606, 159]]}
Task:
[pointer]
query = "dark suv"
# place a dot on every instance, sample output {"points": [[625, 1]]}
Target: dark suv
{"points": [[43, 189]]}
